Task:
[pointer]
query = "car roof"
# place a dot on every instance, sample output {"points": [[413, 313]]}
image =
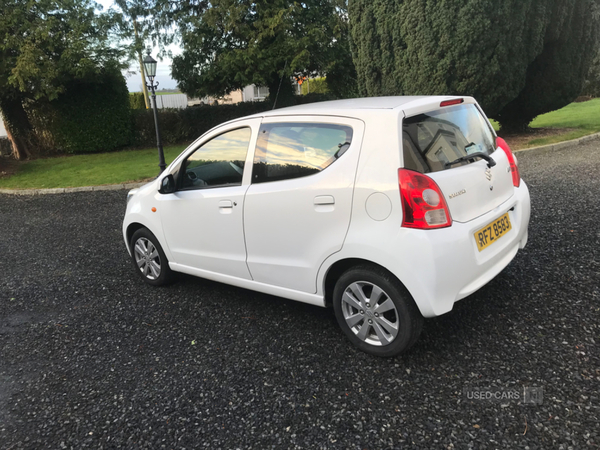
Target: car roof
{"points": [[354, 104]]}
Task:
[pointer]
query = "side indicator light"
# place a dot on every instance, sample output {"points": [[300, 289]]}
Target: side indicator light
{"points": [[153, 209]]}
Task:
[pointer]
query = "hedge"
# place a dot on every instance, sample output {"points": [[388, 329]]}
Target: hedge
{"points": [[91, 116], [136, 100], [181, 126]]}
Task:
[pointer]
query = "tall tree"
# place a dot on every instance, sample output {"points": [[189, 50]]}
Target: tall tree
{"points": [[229, 44], [137, 26], [519, 58], [43, 45]]}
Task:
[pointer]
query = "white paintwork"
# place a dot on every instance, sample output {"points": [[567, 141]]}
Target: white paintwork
{"points": [[305, 297], [204, 227], [291, 226], [295, 230], [378, 206], [477, 198]]}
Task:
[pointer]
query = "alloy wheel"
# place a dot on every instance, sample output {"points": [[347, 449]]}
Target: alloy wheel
{"points": [[147, 258], [370, 313]]}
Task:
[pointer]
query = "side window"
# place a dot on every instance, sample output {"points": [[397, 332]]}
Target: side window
{"points": [[292, 150], [219, 162]]}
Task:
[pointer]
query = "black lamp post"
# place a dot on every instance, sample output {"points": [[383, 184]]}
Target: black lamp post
{"points": [[150, 66]]}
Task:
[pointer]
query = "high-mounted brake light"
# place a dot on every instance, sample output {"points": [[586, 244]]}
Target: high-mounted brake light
{"points": [[423, 204], [512, 160], [456, 101]]}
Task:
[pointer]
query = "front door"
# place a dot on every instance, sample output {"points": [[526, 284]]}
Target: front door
{"points": [[203, 219]]}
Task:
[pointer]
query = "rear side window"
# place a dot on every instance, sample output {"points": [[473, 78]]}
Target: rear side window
{"points": [[292, 150], [431, 140]]}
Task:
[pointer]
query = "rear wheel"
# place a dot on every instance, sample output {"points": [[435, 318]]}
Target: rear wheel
{"points": [[149, 258], [376, 312]]}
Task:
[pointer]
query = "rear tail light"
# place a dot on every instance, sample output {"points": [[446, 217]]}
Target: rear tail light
{"points": [[423, 204], [512, 160]]}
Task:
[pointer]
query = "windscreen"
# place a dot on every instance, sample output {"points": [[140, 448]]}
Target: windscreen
{"points": [[432, 140]]}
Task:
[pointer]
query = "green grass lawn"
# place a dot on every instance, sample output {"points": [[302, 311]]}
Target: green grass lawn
{"points": [[137, 165], [89, 170], [583, 117]]}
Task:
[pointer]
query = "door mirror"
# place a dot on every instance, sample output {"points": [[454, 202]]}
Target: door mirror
{"points": [[167, 185]]}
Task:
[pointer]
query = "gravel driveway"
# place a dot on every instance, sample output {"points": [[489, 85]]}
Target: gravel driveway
{"points": [[90, 357]]}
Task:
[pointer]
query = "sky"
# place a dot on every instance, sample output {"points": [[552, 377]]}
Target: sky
{"points": [[163, 70]]}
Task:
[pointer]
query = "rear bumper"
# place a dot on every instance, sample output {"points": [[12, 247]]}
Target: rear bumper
{"points": [[452, 268]]}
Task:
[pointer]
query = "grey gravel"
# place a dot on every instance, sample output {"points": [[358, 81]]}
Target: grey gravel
{"points": [[92, 358]]}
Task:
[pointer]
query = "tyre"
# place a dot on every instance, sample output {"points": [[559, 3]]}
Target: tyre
{"points": [[376, 312], [149, 258]]}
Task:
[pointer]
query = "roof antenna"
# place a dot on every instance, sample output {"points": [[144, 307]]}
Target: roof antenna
{"points": [[279, 88]]}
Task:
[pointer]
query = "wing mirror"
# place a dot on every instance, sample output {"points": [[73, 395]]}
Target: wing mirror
{"points": [[167, 185]]}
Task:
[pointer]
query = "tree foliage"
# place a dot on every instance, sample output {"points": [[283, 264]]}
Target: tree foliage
{"points": [[229, 44], [44, 44], [137, 26], [90, 116], [591, 86], [519, 58]]}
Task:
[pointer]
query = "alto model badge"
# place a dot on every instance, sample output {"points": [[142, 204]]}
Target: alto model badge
{"points": [[456, 194]]}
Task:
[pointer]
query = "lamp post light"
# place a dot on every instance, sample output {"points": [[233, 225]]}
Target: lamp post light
{"points": [[150, 67]]}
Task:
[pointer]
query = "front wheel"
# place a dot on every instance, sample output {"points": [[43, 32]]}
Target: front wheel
{"points": [[376, 312], [149, 258]]}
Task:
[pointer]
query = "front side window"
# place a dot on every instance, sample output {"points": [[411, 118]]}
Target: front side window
{"points": [[218, 162], [291, 150], [433, 139]]}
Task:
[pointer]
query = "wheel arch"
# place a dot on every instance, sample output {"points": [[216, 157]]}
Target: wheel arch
{"points": [[132, 228], [339, 267]]}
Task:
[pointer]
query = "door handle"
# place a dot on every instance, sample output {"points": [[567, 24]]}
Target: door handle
{"points": [[324, 200], [225, 204]]}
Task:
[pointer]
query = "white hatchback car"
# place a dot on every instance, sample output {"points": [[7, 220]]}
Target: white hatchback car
{"points": [[389, 209]]}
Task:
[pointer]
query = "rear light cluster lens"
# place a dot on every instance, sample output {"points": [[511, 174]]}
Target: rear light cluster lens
{"points": [[456, 101], [423, 204], [512, 160]]}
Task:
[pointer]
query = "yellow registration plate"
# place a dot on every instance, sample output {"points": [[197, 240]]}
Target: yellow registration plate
{"points": [[492, 232]]}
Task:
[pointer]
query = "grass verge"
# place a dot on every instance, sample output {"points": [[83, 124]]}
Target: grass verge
{"points": [[571, 122], [87, 170]]}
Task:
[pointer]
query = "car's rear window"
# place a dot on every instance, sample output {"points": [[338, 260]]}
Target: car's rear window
{"points": [[433, 139]]}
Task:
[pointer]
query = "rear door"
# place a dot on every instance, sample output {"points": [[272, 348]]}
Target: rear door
{"points": [[434, 139], [297, 209]]}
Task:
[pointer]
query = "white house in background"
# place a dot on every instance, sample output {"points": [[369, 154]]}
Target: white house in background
{"points": [[2, 129], [251, 93], [254, 93]]}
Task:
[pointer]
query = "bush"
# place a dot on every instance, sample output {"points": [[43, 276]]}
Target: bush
{"points": [[90, 116], [591, 87], [518, 58], [136, 100], [180, 126], [5, 147], [314, 86]]}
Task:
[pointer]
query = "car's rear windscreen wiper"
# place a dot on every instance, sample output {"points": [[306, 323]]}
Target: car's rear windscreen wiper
{"points": [[489, 159]]}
